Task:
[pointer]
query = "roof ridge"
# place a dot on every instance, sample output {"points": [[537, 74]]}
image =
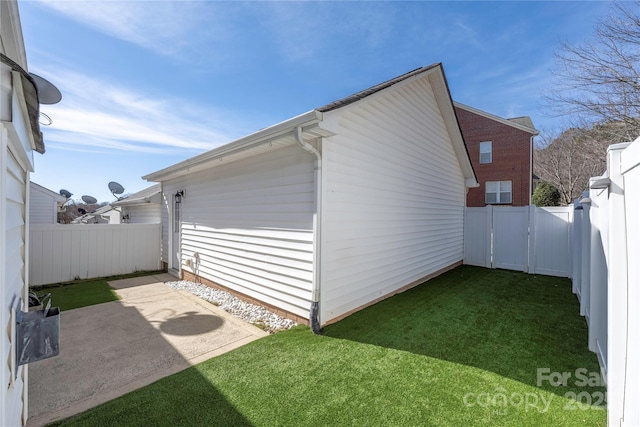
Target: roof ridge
{"points": [[376, 88]]}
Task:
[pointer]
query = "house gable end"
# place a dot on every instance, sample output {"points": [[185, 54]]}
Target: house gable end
{"points": [[393, 194], [435, 78]]}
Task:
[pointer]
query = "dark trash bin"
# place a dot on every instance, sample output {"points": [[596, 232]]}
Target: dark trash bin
{"points": [[38, 335]]}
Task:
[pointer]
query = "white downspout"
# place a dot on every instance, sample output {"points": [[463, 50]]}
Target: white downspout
{"points": [[315, 286], [530, 169]]}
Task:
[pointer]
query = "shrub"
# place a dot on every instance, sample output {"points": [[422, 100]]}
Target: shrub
{"points": [[546, 194]]}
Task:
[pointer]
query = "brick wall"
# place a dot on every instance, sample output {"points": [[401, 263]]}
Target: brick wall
{"points": [[510, 152]]}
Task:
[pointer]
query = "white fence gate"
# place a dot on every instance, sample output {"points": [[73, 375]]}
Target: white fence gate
{"points": [[510, 228], [530, 239], [60, 253]]}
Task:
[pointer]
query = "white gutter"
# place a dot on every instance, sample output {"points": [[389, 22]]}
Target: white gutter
{"points": [[315, 286], [136, 201], [530, 169]]}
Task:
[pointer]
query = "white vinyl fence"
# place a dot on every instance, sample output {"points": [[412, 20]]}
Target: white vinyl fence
{"points": [[530, 239], [606, 277], [59, 253]]}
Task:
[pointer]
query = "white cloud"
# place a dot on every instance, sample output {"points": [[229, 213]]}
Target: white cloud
{"points": [[96, 114], [466, 34], [195, 31], [161, 26]]}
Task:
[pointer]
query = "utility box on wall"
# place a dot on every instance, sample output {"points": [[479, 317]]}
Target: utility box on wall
{"points": [[38, 335]]}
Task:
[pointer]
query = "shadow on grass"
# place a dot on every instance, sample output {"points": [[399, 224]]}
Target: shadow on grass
{"points": [[165, 403], [509, 323], [109, 349]]}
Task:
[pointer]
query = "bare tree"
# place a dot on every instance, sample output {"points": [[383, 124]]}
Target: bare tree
{"points": [[600, 80], [568, 160], [71, 210]]}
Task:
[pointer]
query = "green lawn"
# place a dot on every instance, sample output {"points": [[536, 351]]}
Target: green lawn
{"points": [[84, 292], [76, 295], [461, 350]]}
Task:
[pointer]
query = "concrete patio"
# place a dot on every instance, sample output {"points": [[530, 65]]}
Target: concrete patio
{"points": [[110, 349]]}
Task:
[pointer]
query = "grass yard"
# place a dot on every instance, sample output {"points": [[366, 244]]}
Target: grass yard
{"points": [[461, 350], [76, 295], [82, 293]]}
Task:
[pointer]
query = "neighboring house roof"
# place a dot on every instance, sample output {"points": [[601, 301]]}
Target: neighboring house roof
{"points": [[103, 210], [98, 212], [141, 197], [282, 133], [523, 123], [55, 196], [524, 120]]}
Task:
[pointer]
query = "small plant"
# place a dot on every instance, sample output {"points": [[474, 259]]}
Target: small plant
{"points": [[546, 194], [261, 324]]}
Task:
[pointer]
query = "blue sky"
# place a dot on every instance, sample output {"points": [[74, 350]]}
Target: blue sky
{"points": [[147, 84]]}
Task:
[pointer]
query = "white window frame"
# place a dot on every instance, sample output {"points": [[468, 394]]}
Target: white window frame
{"points": [[486, 147], [502, 190]]}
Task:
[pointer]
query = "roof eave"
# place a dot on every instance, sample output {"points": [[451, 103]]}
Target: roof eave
{"points": [[255, 139], [446, 104], [141, 201], [57, 197]]}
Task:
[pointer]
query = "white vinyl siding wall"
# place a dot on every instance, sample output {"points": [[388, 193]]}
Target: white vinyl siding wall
{"points": [[250, 221], [393, 198], [13, 193], [143, 214], [43, 208]]}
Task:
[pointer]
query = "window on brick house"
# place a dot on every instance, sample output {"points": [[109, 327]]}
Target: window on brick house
{"points": [[497, 192], [485, 152]]}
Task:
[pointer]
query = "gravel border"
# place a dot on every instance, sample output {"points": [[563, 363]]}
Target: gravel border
{"points": [[254, 314]]}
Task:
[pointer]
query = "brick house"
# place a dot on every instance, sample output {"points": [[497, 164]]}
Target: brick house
{"points": [[501, 154]]}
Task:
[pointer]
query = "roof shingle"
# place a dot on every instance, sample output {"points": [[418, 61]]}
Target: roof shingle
{"points": [[373, 89]]}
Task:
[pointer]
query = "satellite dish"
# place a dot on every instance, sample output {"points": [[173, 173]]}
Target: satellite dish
{"points": [[65, 193], [116, 189], [89, 200], [82, 211], [47, 92]]}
